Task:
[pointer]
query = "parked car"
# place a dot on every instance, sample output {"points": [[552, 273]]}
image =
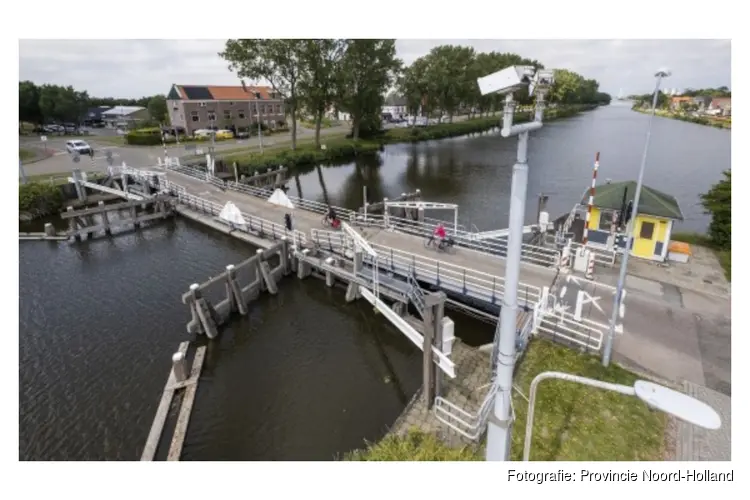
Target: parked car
{"points": [[80, 147], [202, 132], [224, 134]]}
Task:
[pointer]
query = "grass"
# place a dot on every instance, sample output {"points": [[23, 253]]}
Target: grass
{"points": [[711, 121], [416, 446], [572, 422], [25, 154], [58, 178], [724, 256]]}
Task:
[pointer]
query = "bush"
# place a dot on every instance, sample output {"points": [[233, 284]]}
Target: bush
{"points": [[336, 151], [39, 197]]}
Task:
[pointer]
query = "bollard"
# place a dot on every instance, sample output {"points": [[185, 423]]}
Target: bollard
{"points": [[179, 367], [105, 219], [590, 266], [49, 229]]}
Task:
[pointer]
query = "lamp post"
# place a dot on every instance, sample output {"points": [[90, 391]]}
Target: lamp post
{"points": [[655, 396], [607, 354], [507, 81], [257, 114]]}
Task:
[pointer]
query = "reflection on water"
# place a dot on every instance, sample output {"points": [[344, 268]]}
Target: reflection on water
{"points": [[475, 171]]}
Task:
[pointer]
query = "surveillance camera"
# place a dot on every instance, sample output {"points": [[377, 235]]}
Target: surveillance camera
{"points": [[506, 80]]}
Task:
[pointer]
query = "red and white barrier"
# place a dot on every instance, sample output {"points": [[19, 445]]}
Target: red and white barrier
{"points": [[592, 192]]}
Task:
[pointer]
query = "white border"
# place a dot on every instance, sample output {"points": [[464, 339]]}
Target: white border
{"points": [[427, 20]]}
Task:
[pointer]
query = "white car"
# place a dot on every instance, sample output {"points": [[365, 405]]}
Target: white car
{"points": [[80, 147], [202, 132]]}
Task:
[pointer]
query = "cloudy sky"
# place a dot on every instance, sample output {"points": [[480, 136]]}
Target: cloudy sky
{"points": [[135, 68]]}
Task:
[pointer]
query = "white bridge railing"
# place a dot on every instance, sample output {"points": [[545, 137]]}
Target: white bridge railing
{"points": [[253, 224], [459, 279]]}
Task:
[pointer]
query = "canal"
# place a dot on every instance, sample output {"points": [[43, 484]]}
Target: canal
{"points": [[305, 376], [474, 172]]}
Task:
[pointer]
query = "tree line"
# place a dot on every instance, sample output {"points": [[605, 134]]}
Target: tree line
{"points": [[354, 75], [44, 104]]}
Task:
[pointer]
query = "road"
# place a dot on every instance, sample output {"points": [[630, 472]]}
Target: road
{"points": [[672, 332], [137, 156]]}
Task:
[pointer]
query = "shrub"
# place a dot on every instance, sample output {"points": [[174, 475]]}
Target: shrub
{"points": [[39, 197]]}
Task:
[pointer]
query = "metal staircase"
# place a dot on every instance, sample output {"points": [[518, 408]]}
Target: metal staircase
{"points": [[416, 295]]}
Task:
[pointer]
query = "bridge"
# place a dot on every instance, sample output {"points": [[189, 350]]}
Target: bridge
{"points": [[395, 259]]}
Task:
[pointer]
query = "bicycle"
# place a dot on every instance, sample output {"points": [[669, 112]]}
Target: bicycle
{"points": [[328, 222], [441, 245]]}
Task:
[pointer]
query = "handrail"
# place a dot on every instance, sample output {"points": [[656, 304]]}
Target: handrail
{"points": [[253, 223]]}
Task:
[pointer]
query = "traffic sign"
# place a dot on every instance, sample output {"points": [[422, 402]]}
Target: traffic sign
{"points": [[43, 138], [199, 151]]}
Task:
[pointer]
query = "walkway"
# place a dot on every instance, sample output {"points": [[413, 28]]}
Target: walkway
{"points": [[695, 443]]}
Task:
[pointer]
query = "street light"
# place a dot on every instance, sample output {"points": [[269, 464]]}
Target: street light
{"points": [[655, 396], [507, 81], [607, 354], [257, 114]]}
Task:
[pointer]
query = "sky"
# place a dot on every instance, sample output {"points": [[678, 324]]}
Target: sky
{"points": [[136, 68]]}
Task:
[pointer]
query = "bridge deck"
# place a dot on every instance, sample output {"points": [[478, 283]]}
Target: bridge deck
{"points": [[305, 221]]}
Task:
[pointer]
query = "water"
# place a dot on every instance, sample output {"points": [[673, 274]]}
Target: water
{"points": [[305, 376], [684, 160]]}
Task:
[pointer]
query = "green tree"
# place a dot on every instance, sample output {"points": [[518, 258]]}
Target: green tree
{"points": [[368, 68], [277, 61], [60, 103], [321, 60], [453, 67], [28, 103], [718, 203], [157, 108]]}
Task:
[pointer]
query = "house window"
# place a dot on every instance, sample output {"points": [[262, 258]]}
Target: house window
{"points": [[647, 230], [227, 114], [194, 116], [211, 116], [241, 115], [278, 109], [262, 109], [231, 103]]}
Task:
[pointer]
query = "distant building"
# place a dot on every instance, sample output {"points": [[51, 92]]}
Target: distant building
{"points": [[702, 102], [395, 106], [677, 101], [195, 107], [721, 104], [124, 116], [93, 116]]}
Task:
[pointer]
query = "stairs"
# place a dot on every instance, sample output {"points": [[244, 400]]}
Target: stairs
{"points": [[416, 295]]}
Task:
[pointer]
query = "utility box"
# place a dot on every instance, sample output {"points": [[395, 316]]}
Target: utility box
{"points": [[448, 335], [581, 260]]}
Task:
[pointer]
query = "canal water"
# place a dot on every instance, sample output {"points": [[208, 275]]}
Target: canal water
{"points": [[305, 376], [474, 172]]}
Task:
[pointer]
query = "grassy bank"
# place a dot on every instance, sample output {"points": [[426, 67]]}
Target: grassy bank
{"points": [[25, 154], [572, 422], [700, 120], [341, 149], [724, 256]]}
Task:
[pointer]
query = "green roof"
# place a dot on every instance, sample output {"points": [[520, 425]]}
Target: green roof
{"points": [[652, 202]]}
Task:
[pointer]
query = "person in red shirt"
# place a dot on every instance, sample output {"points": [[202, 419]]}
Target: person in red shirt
{"points": [[440, 231]]}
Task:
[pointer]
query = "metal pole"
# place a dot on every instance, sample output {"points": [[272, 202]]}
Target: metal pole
{"points": [[500, 423], [607, 355], [364, 197], [455, 221], [257, 115], [22, 172], [622, 389]]}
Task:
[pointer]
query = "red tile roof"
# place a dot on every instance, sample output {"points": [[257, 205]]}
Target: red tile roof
{"points": [[231, 92]]}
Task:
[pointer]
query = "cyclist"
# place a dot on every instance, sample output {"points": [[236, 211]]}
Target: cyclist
{"points": [[440, 232], [332, 219]]}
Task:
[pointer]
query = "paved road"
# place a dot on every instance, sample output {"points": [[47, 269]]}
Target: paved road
{"points": [[138, 156], [675, 333]]}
